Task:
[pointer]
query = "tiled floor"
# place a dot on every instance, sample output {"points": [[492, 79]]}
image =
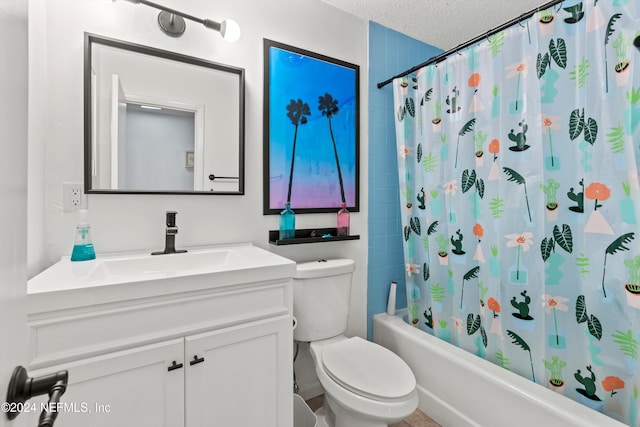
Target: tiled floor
{"points": [[417, 419]]}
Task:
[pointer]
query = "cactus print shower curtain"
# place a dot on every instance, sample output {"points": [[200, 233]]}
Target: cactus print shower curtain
{"points": [[520, 201]]}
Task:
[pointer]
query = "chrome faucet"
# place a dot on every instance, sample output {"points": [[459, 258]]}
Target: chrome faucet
{"points": [[170, 236]]}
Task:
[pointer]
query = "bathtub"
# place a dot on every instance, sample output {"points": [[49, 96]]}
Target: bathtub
{"points": [[491, 396]]}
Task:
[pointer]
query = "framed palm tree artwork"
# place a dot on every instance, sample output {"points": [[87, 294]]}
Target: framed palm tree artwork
{"points": [[311, 131]]}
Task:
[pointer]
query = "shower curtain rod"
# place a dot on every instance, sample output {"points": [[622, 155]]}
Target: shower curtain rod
{"points": [[442, 56]]}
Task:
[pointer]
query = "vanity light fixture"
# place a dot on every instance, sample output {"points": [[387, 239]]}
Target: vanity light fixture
{"points": [[172, 23]]}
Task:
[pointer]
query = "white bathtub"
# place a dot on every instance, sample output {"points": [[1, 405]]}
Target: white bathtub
{"points": [[491, 396]]}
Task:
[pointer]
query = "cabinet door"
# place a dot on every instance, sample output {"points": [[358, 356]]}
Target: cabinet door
{"points": [[245, 379], [126, 388]]}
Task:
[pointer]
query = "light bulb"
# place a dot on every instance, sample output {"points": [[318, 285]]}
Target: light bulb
{"points": [[230, 30]]}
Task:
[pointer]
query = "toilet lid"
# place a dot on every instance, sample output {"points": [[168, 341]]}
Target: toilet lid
{"points": [[368, 369]]}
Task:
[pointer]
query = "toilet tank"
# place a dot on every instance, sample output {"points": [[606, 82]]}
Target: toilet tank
{"points": [[321, 295]]}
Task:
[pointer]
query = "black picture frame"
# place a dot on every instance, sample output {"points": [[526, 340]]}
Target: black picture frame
{"points": [[325, 139]]}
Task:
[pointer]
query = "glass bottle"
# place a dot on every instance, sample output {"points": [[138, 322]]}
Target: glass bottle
{"points": [[287, 223], [343, 220], [83, 246]]}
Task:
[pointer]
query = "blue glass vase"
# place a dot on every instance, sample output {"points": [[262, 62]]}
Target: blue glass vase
{"points": [[287, 223]]}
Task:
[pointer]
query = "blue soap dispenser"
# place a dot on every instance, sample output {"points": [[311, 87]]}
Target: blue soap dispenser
{"points": [[83, 246]]}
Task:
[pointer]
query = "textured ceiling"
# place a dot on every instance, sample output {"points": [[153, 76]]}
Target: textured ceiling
{"points": [[441, 23]]}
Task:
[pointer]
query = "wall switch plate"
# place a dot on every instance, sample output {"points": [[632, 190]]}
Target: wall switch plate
{"points": [[73, 197]]}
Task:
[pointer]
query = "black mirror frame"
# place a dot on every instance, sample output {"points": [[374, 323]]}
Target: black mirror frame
{"points": [[89, 40]]}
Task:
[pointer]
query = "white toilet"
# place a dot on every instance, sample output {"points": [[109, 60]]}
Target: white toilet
{"points": [[364, 383]]}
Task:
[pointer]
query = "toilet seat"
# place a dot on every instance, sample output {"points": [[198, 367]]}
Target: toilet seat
{"points": [[368, 370], [351, 405]]}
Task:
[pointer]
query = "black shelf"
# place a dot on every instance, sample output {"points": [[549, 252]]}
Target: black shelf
{"points": [[310, 235]]}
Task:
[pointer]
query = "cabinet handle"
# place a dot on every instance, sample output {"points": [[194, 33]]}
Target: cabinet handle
{"points": [[196, 360], [174, 366]]}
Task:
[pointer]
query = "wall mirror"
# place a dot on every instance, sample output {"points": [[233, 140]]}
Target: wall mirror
{"points": [[158, 122]]}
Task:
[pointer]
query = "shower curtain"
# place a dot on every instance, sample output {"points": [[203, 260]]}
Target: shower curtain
{"points": [[520, 200]]}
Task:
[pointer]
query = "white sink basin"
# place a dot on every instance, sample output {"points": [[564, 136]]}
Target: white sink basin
{"points": [[126, 276], [191, 262]]}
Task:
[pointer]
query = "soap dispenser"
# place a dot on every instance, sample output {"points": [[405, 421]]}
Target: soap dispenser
{"points": [[83, 246]]}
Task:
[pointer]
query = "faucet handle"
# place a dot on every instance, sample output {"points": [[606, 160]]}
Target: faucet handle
{"points": [[171, 218]]}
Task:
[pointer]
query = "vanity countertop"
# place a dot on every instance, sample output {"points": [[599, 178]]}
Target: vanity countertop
{"points": [[123, 277]]}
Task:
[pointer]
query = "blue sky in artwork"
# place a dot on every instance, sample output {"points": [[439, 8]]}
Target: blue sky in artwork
{"points": [[315, 178]]}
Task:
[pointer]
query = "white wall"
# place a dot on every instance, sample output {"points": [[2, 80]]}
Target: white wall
{"points": [[130, 222]]}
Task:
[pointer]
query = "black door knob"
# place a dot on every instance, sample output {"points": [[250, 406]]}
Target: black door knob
{"points": [[22, 388]]}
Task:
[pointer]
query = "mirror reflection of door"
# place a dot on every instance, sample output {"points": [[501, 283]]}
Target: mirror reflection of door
{"points": [[150, 144], [155, 153]]}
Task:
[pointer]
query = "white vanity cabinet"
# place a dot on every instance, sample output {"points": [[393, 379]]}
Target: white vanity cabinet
{"points": [[125, 388], [242, 378], [184, 351]]}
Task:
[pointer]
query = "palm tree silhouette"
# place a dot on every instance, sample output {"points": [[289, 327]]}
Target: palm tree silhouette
{"points": [[296, 112], [329, 108]]}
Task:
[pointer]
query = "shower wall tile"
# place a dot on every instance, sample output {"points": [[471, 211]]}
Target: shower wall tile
{"points": [[390, 53]]}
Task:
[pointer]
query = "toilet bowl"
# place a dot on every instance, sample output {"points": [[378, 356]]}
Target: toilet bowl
{"points": [[365, 384]]}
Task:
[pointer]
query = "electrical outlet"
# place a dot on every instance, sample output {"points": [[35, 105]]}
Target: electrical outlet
{"points": [[73, 197]]}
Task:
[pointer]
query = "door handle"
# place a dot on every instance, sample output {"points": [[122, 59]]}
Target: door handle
{"points": [[22, 388], [196, 360]]}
